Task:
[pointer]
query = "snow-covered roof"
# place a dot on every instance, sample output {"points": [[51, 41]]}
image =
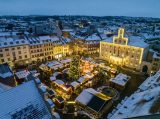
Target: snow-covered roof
{"points": [[156, 55], [75, 84], [5, 71], [56, 74], [81, 79], [84, 97], [92, 38], [43, 88], [56, 115], [67, 40], [120, 79], [89, 75], [50, 102], [23, 97], [141, 101], [7, 34], [22, 74], [54, 38], [89, 97], [44, 37], [65, 61], [4, 87], [52, 64], [138, 104], [135, 41], [59, 82], [8, 42], [66, 71], [38, 81], [52, 78], [150, 36], [150, 82], [67, 30]]}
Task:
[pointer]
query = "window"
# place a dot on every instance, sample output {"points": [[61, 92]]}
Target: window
{"points": [[2, 60], [25, 56], [19, 52], [20, 57], [24, 47], [0, 50], [6, 49], [18, 47], [13, 48], [1, 55], [7, 54], [11, 42], [17, 42]]}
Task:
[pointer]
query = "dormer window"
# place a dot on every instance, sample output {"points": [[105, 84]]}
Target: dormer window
{"points": [[11, 42], [17, 42]]}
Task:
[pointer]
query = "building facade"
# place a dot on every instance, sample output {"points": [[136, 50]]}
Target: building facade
{"points": [[124, 51], [155, 63], [13, 51], [30, 49]]}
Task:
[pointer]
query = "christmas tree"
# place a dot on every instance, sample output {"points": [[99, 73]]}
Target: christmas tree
{"points": [[74, 72]]}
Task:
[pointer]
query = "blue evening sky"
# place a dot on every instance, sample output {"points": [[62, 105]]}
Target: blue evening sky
{"points": [[144, 8]]}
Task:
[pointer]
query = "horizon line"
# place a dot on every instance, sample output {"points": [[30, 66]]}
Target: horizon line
{"points": [[81, 15]]}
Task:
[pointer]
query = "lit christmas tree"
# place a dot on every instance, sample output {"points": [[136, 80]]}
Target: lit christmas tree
{"points": [[74, 72]]}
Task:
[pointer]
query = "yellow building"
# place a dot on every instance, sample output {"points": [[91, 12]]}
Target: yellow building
{"points": [[124, 51], [61, 50]]}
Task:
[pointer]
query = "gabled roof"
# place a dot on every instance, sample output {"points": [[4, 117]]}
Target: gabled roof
{"points": [[24, 97], [5, 71], [90, 98]]}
